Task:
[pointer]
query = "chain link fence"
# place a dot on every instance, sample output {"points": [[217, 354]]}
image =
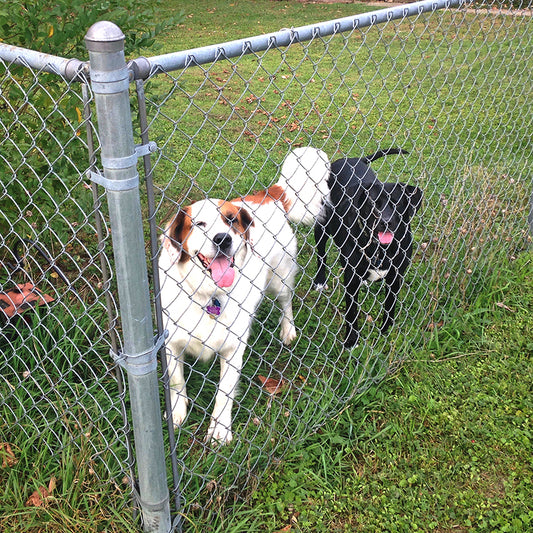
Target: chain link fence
{"points": [[451, 87], [60, 393]]}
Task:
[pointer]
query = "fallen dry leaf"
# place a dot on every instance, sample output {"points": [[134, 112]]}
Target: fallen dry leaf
{"points": [[39, 497], [503, 306], [432, 325], [293, 126], [271, 385], [8, 457]]}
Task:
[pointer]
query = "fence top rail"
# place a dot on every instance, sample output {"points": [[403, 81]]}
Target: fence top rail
{"points": [[69, 69], [142, 68]]}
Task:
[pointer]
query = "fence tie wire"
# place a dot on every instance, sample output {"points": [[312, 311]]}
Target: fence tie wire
{"points": [[142, 363], [118, 163], [113, 185]]}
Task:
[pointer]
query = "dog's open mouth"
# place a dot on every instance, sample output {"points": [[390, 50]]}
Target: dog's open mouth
{"points": [[385, 237], [221, 269]]}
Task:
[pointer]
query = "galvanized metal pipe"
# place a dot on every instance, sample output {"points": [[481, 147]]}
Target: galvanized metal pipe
{"points": [[110, 79], [69, 69], [143, 67]]}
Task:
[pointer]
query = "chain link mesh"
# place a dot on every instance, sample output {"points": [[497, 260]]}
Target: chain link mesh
{"points": [[452, 88], [448, 87], [59, 390]]}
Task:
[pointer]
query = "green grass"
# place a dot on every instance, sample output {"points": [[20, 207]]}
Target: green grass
{"points": [[443, 444], [436, 86], [223, 131], [61, 425], [78, 500]]}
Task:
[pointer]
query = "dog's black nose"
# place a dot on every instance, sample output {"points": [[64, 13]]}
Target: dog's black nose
{"points": [[223, 241]]}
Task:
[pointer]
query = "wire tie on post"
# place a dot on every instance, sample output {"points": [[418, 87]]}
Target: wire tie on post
{"points": [[114, 185], [141, 363], [119, 163]]}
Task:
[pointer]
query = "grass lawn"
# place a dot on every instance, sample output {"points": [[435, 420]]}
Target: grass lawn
{"points": [[398, 456], [442, 445], [443, 442]]}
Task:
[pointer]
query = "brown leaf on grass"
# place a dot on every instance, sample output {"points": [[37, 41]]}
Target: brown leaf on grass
{"points": [[503, 306], [271, 385], [293, 126], [433, 325], [40, 496], [8, 457]]}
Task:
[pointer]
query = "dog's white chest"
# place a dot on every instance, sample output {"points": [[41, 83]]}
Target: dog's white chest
{"points": [[375, 275]]}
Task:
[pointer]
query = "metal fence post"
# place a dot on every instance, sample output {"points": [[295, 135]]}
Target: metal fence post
{"points": [[110, 84]]}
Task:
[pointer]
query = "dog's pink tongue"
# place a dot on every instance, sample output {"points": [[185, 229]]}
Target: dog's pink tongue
{"points": [[222, 272], [385, 237]]}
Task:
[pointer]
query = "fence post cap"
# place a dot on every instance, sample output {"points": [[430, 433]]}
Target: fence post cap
{"points": [[104, 36]]}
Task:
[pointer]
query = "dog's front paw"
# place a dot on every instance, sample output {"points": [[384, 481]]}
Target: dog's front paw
{"points": [[288, 332], [179, 410], [351, 341], [320, 287], [219, 433]]}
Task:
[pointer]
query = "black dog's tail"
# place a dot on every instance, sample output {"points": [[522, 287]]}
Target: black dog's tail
{"points": [[381, 153]]}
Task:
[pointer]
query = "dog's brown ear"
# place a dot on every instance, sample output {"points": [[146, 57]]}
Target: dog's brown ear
{"points": [[177, 231], [245, 222]]}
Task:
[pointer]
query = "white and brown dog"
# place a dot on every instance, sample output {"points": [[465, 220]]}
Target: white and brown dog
{"points": [[218, 259]]}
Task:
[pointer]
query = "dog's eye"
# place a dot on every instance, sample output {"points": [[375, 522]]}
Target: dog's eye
{"points": [[201, 224], [230, 219]]}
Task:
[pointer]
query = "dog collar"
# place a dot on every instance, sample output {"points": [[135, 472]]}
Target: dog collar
{"points": [[213, 310]]}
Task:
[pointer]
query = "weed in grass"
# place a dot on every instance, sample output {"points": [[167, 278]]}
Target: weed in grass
{"points": [[482, 210]]}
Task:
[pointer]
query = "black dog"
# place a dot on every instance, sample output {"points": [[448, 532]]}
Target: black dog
{"points": [[369, 222]]}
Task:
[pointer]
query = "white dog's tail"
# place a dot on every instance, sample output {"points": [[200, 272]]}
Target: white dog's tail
{"points": [[304, 178]]}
